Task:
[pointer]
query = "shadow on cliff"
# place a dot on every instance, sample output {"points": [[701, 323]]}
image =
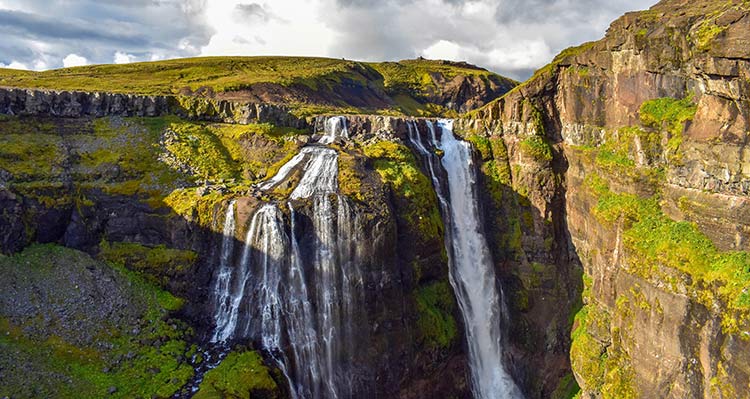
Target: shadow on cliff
{"points": [[541, 277]]}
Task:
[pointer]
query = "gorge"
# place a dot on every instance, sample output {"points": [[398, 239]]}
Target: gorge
{"points": [[416, 229]]}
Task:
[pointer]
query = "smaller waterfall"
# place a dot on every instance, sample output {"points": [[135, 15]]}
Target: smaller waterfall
{"points": [[222, 288], [299, 300], [321, 174], [335, 127]]}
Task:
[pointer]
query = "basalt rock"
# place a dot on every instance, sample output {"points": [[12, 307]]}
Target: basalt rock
{"points": [[651, 338]]}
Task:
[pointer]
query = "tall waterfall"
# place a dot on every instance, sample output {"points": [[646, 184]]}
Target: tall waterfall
{"points": [[222, 288], [296, 287], [472, 272]]}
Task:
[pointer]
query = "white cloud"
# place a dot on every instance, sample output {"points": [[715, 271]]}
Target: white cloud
{"points": [[74, 60], [40, 65], [14, 65], [123, 58], [443, 50], [281, 27]]}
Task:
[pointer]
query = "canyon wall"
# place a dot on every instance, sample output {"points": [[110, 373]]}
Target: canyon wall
{"points": [[645, 133]]}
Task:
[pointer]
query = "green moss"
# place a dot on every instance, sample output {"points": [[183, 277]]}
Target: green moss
{"points": [[398, 169], [200, 209], [653, 240], [350, 180], [239, 375], [605, 369], [197, 147], [129, 358], [537, 148], [435, 306], [587, 355], [482, 145], [668, 114], [273, 147], [29, 154], [159, 263], [706, 32], [497, 185], [567, 388]]}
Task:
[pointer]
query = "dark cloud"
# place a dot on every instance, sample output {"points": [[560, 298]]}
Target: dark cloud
{"points": [[18, 23], [254, 12], [44, 32]]}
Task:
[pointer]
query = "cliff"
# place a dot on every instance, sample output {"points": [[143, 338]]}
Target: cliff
{"points": [[633, 150]]}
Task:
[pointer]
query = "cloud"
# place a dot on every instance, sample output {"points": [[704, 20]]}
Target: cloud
{"points": [[41, 33], [254, 12], [281, 27], [123, 58], [512, 37], [74, 60], [14, 65]]}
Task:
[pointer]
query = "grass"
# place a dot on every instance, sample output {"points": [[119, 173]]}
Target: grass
{"points": [[655, 240], [239, 375], [398, 169], [671, 115], [131, 361], [222, 74], [409, 82]]}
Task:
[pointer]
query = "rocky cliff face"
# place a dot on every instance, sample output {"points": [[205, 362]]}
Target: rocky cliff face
{"points": [[78, 104], [640, 174], [148, 193]]}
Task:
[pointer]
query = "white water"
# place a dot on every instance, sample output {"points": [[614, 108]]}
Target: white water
{"points": [[303, 321], [335, 127], [222, 288], [472, 272]]}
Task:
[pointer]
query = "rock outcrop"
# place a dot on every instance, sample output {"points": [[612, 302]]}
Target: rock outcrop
{"points": [[76, 104], [633, 150]]}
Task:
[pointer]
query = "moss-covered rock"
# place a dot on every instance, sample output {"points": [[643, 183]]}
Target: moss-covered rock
{"points": [[239, 375], [436, 306]]}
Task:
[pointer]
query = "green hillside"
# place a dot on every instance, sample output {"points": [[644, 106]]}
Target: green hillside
{"points": [[419, 87]]}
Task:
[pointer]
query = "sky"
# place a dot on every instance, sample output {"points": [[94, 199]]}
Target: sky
{"points": [[510, 37]]}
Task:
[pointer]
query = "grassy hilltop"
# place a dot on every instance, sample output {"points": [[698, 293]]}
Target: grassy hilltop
{"points": [[412, 87]]}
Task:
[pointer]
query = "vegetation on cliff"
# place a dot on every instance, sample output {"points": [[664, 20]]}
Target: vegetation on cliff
{"points": [[241, 374], [653, 241], [114, 336]]}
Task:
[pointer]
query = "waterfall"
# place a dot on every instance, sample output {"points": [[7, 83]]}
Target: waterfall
{"points": [[222, 289], [472, 273], [335, 127], [296, 287]]}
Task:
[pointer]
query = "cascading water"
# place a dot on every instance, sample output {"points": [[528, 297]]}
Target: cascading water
{"points": [[299, 304], [472, 275], [222, 288]]}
